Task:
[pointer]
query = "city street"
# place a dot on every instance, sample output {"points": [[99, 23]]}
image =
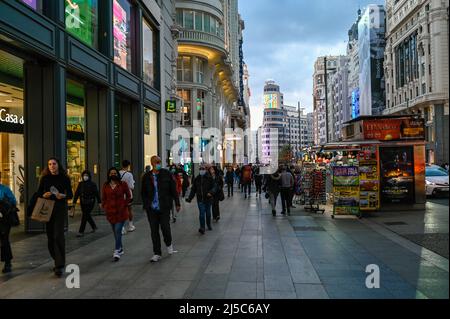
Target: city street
{"points": [[249, 254]]}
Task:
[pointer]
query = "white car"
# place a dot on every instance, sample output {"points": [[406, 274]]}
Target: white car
{"points": [[436, 180]]}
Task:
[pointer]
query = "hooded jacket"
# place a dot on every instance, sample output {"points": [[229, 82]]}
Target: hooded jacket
{"points": [[273, 183], [87, 191]]}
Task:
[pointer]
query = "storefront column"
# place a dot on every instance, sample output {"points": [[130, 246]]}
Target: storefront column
{"points": [[45, 109], [441, 128], [106, 104]]}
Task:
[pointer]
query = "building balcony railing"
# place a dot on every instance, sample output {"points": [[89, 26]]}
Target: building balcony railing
{"points": [[209, 39], [431, 98]]}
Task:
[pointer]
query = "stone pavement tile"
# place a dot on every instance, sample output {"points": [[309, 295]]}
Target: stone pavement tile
{"points": [[260, 294], [248, 252], [241, 290], [279, 283], [433, 288], [280, 268], [213, 282], [277, 294], [308, 291], [304, 275], [207, 294], [246, 274], [243, 262], [172, 289], [134, 293], [352, 291], [190, 261], [184, 273]]}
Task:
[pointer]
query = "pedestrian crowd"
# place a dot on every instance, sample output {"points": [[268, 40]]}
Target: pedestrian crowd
{"points": [[161, 193]]}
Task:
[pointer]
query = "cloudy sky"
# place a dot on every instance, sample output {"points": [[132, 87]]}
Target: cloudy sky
{"points": [[283, 38]]}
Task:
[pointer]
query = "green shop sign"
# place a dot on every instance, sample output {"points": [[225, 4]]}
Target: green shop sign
{"points": [[171, 106]]}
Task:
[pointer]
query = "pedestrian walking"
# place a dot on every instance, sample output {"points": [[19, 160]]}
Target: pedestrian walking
{"points": [[204, 188], [186, 182], [229, 180], [247, 177], [258, 182], [7, 203], [219, 195], [55, 185], [87, 192], [272, 187], [116, 197], [178, 178], [127, 177], [287, 186], [237, 176], [158, 193]]}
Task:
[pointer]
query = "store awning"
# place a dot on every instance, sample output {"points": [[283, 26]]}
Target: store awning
{"points": [[348, 146]]}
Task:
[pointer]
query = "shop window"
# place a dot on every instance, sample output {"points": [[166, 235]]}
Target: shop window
{"points": [[76, 128], [82, 20], [122, 33], [149, 53], [150, 135], [184, 69]]}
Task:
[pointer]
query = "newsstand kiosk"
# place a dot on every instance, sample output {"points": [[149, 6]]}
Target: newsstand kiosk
{"points": [[391, 165]]}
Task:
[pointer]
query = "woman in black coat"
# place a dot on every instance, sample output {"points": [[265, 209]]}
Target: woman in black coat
{"points": [[88, 194], [272, 187], [55, 185]]}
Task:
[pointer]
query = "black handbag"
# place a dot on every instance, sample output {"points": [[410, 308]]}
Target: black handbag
{"points": [[14, 216], [221, 196]]}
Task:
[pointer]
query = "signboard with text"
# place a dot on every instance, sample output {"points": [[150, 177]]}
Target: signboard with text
{"points": [[394, 129]]}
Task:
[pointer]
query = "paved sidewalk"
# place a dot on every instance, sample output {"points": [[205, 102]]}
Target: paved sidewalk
{"points": [[249, 254]]}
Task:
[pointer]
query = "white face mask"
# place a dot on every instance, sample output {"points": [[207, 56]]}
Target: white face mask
{"points": [[85, 178]]}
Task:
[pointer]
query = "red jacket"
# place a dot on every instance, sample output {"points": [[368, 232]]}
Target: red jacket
{"points": [[115, 202]]}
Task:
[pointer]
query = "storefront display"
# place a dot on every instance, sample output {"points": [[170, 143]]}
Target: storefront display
{"points": [[397, 174], [346, 190], [150, 135], [369, 179]]}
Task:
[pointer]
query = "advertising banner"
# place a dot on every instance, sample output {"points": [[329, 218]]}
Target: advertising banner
{"points": [[397, 175], [394, 129], [346, 190], [369, 178]]}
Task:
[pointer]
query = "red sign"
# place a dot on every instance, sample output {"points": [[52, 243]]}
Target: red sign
{"points": [[394, 129]]}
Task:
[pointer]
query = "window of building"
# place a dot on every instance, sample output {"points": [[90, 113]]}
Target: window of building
{"points": [[186, 108], [184, 69], [198, 21], [200, 70], [34, 4], [149, 53], [81, 20], [424, 88], [122, 33], [189, 20], [200, 106]]}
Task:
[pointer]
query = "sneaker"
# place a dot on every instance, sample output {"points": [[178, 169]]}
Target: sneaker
{"points": [[121, 252], [116, 255], [79, 235], [170, 250], [58, 272], [131, 228], [209, 228], [201, 231], [155, 258]]}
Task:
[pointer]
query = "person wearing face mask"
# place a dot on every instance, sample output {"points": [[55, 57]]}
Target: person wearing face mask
{"points": [[178, 178], [116, 197], [204, 188], [87, 192], [158, 193]]}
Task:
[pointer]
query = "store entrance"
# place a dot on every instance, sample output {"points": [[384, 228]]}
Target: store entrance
{"points": [[12, 168]]}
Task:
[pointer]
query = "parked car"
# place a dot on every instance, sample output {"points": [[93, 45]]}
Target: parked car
{"points": [[436, 179]]}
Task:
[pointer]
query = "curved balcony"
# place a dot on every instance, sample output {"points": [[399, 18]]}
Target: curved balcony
{"points": [[203, 39]]}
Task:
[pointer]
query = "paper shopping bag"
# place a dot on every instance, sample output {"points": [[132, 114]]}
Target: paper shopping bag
{"points": [[43, 210]]}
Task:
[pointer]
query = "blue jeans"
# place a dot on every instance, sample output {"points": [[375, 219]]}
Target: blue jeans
{"points": [[205, 211], [117, 230]]}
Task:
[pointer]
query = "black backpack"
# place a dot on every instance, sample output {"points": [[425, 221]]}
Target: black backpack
{"points": [[9, 215]]}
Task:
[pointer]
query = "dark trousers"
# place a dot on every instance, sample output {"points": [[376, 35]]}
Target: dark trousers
{"points": [[157, 220], [258, 188], [230, 189], [215, 209], [247, 188], [286, 199], [86, 217], [291, 197], [204, 214], [5, 245], [55, 236]]}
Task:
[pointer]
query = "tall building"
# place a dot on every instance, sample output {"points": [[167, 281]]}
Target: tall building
{"points": [[417, 68], [339, 103], [208, 74], [371, 46], [321, 98], [86, 83], [310, 129], [353, 68]]}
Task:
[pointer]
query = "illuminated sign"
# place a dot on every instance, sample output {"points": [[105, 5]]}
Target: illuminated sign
{"points": [[394, 129], [355, 104], [120, 30], [271, 101], [81, 19], [171, 106]]}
